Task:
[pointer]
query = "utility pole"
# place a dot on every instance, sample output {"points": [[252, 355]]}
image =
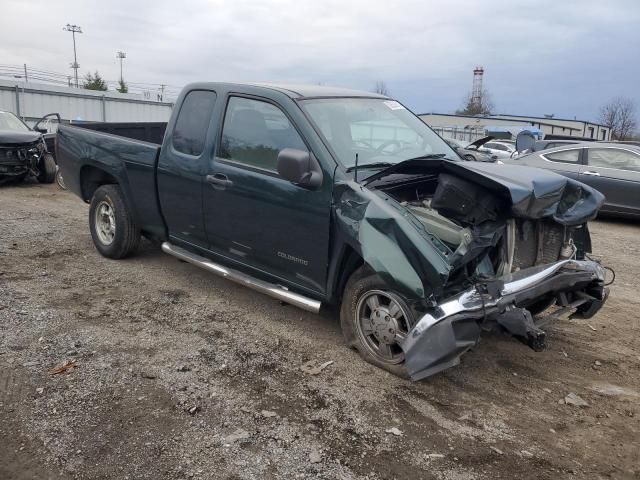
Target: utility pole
{"points": [[74, 29], [121, 56], [26, 77]]}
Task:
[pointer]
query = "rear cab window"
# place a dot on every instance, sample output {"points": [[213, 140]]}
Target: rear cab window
{"points": [[191, 127], [254, 132]]}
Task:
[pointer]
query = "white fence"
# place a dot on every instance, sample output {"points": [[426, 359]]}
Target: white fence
{"points": [[31, 101], [460, 133]]}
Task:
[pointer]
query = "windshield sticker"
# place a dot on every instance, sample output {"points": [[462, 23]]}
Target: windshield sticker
{"points": [[393, 105]]}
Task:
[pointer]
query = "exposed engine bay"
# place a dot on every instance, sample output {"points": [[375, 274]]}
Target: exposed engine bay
{"points": [[484, 243], [465, 216]]}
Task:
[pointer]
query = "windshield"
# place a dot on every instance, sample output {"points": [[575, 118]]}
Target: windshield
{"points": [[381, 132], [8, 121]]}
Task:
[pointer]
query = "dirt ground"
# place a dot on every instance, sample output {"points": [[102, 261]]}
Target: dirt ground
{"points": [[180, 374]]}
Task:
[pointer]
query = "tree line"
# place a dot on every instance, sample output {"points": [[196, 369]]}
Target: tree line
{"points": [[94, 81]]}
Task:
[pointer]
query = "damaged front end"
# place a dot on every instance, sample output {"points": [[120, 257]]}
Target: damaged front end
{"points": [[473, 247], [441, 336], [20, 160]]}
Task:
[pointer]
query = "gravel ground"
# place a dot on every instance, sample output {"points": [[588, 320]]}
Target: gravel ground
{"points": [[180, 374]]}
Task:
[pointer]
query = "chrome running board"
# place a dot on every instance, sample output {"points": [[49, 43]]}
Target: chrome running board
{"points": [[271, 289]]}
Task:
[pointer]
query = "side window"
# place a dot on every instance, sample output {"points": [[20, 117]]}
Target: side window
{"points": [[254, 132], [613, 158], [191, 127], [565, 156]]}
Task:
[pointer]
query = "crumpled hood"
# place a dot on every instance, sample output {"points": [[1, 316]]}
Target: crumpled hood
{"points": [[10, 138], [534, 193]]}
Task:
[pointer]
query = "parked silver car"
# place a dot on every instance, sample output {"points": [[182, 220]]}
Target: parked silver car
{"points": [[500, 149], [611, 168]]}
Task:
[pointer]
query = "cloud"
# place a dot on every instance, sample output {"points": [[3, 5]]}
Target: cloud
{"points": [[540, 57]]}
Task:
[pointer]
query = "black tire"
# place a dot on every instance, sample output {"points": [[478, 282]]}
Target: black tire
{"points": [[47, 169], [125, 236], [469, 157], [362, 283]]}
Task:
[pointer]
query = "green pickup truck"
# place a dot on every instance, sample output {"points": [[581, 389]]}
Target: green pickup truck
{"points": [[316, 195]]}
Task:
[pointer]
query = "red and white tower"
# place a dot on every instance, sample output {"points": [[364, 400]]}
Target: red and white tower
{"points": [[476, 91]]}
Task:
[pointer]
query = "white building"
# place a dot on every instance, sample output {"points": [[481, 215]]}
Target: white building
{"points": [[471, 127]]}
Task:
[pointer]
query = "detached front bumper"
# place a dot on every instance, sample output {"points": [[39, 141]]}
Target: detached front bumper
{"points": [[443, 335]]}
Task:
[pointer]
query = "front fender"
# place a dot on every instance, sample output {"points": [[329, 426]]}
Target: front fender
{"points": [[391, 241]]}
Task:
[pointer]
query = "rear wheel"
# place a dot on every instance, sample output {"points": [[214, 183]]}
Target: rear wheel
{"points": [[375, 320], [113, 229], [471, 158], [47, 167]]}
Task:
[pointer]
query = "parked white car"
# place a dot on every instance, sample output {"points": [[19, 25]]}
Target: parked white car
{"points": [[501, 149]]}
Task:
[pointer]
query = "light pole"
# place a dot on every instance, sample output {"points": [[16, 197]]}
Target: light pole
{"points": [[74, 29], [121, 56]]}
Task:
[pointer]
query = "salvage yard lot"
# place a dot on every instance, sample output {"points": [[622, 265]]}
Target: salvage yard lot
{"points": [[180, 374]]}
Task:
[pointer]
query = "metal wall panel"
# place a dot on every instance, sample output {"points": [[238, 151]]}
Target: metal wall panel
{"points": [[32, 101]]}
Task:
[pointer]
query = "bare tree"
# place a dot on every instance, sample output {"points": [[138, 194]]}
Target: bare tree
{"points": [[381, 88], [620, 116], [472, 106]]}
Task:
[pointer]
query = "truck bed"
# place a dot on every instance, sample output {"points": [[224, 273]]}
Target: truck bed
{"points": [[152, 132], [86, 157]]}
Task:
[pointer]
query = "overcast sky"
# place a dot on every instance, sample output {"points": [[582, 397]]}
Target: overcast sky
{"points": [[540, 57]]}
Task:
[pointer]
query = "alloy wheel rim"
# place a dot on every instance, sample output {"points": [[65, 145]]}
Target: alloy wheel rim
{"points": [[382, 325], [105, 223]]}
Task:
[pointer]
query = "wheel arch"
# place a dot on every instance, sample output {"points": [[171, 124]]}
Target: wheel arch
{"points": [[348, 261], [91, 178]]}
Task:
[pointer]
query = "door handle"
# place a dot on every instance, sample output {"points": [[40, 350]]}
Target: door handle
{"points": [[219, 181], [589, 172]]}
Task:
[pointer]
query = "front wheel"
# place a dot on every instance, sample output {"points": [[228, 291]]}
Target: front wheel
{"points": [[47, 169], [114, 232], [375, 321]]}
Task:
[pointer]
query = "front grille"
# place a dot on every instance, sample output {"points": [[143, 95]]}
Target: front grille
{"points": [[19, 155]]}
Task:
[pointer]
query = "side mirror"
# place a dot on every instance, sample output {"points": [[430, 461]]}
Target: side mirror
{"points": [[300, 168], [41, 130]]}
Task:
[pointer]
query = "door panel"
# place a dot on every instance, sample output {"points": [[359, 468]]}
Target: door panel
{"points": [[616, 174], [181, 168], [251, 214]]}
